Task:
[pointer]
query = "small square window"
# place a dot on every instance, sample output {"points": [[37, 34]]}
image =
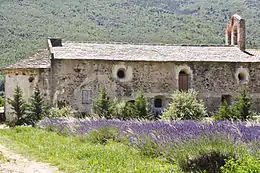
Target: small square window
{"points": [[86, 96]]}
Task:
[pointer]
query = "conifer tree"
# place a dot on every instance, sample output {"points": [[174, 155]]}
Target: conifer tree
{"points": [[18, 105], [37, 107], [140, 106], [102, 106]]}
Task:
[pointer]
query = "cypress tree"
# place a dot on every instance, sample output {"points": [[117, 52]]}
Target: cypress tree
{"points": [[102, 106], [18, 105]]}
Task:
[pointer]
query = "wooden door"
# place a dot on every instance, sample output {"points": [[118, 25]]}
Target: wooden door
{"points": [[183, 81]]}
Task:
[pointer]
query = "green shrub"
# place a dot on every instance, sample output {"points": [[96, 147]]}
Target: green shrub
{"points": [[130, 110], [19, 106], [224, 112], [2, 102], [184, 106], [102, 106], [37, 107], [203, 154], [103, 135], [140, 107], [239, 110], [247, 164], [59, 112]]}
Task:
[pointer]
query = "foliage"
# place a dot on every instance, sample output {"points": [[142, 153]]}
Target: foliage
{"points": [[241, 107], [19, 106], [239, 110], [224, 112], [188, 144], [64, 111], [26, 24], [102, 106], [140, 106], [103, 135], [244, 164], [37, 107], [71, 154], [184, 106], [2, 101]]}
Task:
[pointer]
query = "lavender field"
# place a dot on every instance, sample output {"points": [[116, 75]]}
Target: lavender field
{"points": [[162, 133]]}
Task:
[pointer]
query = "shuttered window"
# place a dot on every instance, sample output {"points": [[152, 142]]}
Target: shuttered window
{"points": [[86, 96], [183, 81]]}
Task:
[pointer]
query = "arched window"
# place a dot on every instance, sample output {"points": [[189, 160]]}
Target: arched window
{"points": [[183, 81], [158, 103]]}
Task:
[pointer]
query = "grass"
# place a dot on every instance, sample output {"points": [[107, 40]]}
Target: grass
{"points": [[71, 154]]}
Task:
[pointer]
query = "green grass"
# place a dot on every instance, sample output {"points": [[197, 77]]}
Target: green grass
{"points": [[71, 154]]}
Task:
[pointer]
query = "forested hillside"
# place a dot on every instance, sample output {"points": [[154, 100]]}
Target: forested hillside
{"points": [[24, 24]]}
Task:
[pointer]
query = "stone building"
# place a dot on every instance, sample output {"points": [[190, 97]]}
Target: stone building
{"points": [[74, 73]]}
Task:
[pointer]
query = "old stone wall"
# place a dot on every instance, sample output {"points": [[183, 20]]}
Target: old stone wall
{"points": [[78, 82], [26, 79]]}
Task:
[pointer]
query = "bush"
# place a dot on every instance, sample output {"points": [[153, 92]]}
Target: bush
{"points": [[244, 164], [203, 154], [64, 111], [102, 106], [19, 106], [239, 110], [184, 106], [2, 102], [140, 107], [103, 135], [37, 107]]}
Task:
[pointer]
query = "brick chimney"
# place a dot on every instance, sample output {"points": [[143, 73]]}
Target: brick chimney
{"points": [[236, 32]]}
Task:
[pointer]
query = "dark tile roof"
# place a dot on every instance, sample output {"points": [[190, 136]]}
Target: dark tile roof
{"points": [[40, 59], [142, 52]]}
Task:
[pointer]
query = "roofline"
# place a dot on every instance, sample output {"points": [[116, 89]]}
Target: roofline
{"points": [[148, 44], [92, 59]]}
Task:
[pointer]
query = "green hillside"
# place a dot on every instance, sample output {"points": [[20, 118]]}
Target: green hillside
{"points": [[24, 24]]}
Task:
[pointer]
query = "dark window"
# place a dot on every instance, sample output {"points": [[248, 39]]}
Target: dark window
{"points": [[31, 79], [121, 74], [86, 96], [158, 103], [183, 81], [227, 98], [241, 77]]}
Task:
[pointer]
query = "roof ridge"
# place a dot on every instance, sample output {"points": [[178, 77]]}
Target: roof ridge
{"points": [[150, 44]]}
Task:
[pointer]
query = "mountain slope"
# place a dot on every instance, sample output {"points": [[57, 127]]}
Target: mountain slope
{"points": [[24, 24]]}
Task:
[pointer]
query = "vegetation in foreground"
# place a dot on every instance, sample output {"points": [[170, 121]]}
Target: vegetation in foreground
{"points": [[74, 154], [190, 145], [140, 146]]}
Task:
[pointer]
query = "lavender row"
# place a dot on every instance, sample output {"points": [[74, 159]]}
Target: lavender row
{"points": [[161, 131]]}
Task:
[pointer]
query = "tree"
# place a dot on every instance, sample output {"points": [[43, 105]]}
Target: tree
{"points": [[18, 105], [184, 106], [37, 107], [223, 112], [102, 106], [239, 110], [140, 106]]}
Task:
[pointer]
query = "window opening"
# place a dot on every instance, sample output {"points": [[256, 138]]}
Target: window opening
{"points": [[121, 73], [158, 103], [86, 96], [241, 77]]}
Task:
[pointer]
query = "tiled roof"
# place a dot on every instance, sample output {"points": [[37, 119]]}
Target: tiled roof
{"points": [[40, 59], [142, 52], [130, 52]]}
